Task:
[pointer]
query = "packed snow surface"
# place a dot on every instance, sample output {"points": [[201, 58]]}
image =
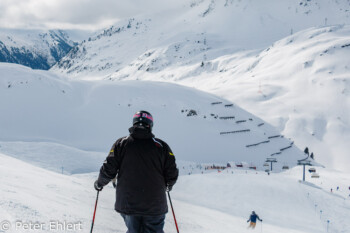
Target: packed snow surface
{"points": [[203, 203]]}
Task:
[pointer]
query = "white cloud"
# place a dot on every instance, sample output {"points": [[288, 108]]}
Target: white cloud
{"points": [[66, 14]]}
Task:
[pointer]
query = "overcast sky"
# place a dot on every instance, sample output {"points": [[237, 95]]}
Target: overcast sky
{"points": [[72, 14]]}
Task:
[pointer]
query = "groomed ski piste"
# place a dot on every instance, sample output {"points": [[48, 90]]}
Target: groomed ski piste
{"points": [[203, 203]]}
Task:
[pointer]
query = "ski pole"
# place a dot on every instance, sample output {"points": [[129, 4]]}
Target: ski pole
{"points": [[93, 219], [172, 209]]}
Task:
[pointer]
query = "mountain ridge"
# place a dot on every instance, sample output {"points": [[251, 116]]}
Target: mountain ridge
{"points": [[206, 28], [38, 49]]}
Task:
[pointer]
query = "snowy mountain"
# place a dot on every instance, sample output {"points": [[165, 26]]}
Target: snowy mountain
{"points": [[277, 59], [197, 31], [37, 49], [38, 106]]}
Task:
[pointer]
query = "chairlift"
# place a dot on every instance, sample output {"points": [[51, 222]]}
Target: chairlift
{"points": [[239, 165], [285, 167], [312, 170], [252, 167], [315, 175], [267, 170], [266, 165]]}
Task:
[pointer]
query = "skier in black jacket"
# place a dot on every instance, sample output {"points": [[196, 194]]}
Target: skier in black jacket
{"points": [[145, 168]]}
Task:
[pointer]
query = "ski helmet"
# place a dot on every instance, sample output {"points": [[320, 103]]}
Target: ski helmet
{"points": [[143, 118]]}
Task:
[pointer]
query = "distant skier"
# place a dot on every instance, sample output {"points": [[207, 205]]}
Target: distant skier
{"points": [[145, 168], [253, 217], [306, 151]]}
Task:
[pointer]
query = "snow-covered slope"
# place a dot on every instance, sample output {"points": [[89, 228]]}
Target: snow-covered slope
{"points": [[37, 49], [38, 106], [204, 203], [53, 156]]}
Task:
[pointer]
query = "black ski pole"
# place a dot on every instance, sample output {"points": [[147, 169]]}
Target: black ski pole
{"points": [[93, 219], [172, 209]]}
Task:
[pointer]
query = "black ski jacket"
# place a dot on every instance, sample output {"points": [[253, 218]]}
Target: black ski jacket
{"points": [[144, 166]]}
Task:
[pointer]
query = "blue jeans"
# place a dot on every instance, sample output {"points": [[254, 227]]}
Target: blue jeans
{"points": [[144, 224]]}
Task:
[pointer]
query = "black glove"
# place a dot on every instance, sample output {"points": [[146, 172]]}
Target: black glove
{"points": [[169, 188], [247, 220], [114, 185], [260, 220], [97, 187]]}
